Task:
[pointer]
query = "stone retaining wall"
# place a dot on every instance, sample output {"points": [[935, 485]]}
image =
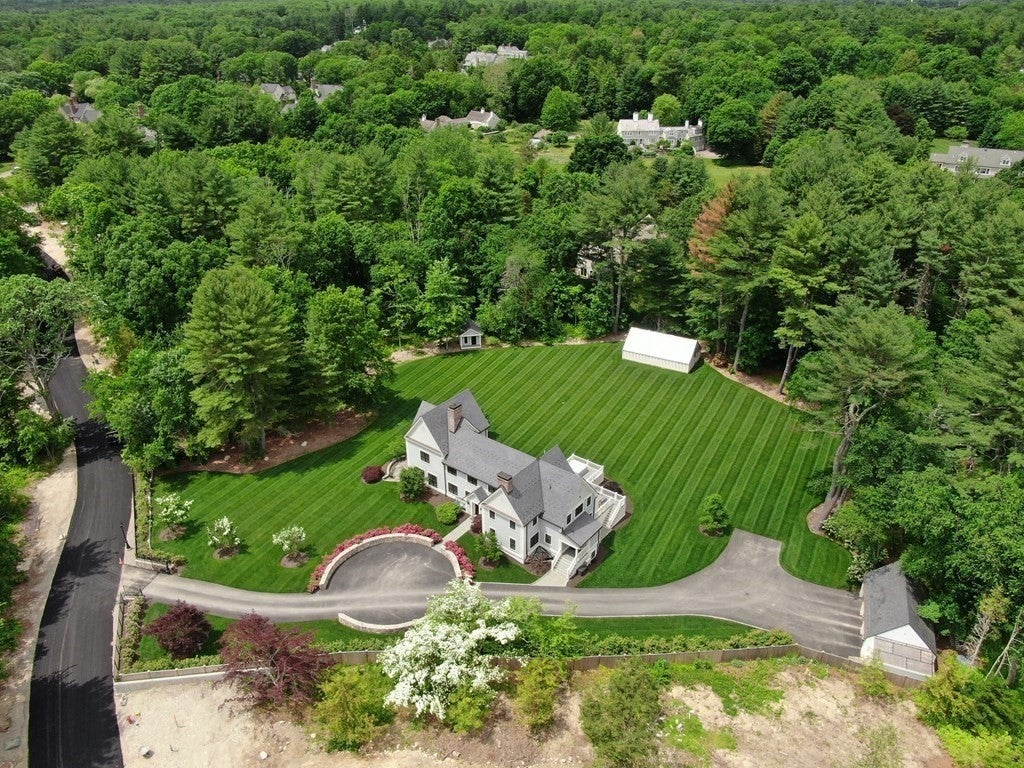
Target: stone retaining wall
{"points": [[377, 541]]}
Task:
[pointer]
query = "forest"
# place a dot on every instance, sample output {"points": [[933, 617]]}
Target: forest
{"points": [[251, 266]]}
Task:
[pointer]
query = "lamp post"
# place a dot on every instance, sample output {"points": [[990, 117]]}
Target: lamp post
{"points": [[124, 536]]}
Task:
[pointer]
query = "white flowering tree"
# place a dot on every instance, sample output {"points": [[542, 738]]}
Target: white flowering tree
{"points": [[222, 535], [174, 513], [449, 651], [291, 539]]}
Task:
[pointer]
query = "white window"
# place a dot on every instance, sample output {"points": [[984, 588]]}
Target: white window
{"points": [[424, 457], [512, 524], [1005, 162], [472, 480], [512, 544]]}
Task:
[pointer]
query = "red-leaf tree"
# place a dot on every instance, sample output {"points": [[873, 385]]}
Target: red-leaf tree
{"points": [[181, 631], [269, 666]]}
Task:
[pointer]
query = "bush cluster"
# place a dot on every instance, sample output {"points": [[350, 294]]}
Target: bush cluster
{"points": [[411, 484], [182, 631], [476, 525], [619, 714], [372, 475], [406, 528], [351, 709], [537, 687], [448, 513], [465, 564], [131, 631]]}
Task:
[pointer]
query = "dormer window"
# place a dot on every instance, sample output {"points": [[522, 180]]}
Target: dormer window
{"points": [[1005, 162], [962, 158]]}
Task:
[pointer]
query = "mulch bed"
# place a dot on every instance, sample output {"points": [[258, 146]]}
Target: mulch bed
{"points": [[283, 448]]}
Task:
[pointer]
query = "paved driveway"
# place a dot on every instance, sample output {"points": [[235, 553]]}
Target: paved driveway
{"points": [[745, 584]]}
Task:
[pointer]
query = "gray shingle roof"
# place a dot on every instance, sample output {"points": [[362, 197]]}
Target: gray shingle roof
{"points": [[985, 157], [889, 603], [483, 457], [436, 417], [582, 529]]}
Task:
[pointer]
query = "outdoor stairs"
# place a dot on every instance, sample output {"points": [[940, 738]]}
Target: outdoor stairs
{"points": [[558, 575]]}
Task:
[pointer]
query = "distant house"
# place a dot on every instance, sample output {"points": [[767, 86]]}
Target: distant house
{"points": [[589, 255], [438, 42], [322, 90], [540, 137], [472, 337], [985, 161], [80, 111], [552, 505], [475, 118], [662, 350], [283, 94], [892, 629], [483, 58], [649, 132]]}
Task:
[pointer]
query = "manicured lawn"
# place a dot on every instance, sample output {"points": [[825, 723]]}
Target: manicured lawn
{"points": [[506, 571], [669, 439], [661, 626], [325, 631], [723, 171]]}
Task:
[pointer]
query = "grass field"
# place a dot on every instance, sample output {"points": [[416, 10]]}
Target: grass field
{"points": [[723, 171], [669, 439]]}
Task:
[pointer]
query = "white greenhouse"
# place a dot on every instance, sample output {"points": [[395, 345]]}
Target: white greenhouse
{"points": [[676, 353]]}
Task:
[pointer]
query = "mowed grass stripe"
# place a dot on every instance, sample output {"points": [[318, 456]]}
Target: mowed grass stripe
{"points": [[670, 439]]}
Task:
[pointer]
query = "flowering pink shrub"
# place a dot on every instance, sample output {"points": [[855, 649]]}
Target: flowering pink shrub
{"points": [[465, 564], [359, 538]]}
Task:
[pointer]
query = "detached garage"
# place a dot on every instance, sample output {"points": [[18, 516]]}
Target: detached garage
{"points": [[893, 630], [663, 350]]}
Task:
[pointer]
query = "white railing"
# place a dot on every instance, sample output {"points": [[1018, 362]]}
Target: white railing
{"points": [[610, 508], [591, 472]]}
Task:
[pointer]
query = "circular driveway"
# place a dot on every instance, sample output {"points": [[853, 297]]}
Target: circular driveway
{"points": [[374, 577]]}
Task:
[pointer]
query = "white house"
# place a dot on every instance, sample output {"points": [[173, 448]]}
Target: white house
{"points": [[985, 161], [676, 353], [483, 58], [648, 132], [892, 629], [552, 504], [475, 118], [472, 337]]}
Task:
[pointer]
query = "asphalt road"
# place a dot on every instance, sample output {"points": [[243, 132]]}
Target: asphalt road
{"points": [[72, 721], [745, 584]]}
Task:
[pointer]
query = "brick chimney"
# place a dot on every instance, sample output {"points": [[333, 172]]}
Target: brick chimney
{"points": [[454, 416], [505, 482]]}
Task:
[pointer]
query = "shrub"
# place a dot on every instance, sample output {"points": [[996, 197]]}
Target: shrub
{"points": [[619, 714], [396, 449], [469, 708], [269, 666], [131, 631], [714, 519], [490, 550], [372, 475], [291, 539], [465, 564], [872, 682], [560, 139], [476, 525], [182, 631], [448, 513], [538, 684], [411, 483], [223, 536], [961, 696], [351, 709], [986, 750]]}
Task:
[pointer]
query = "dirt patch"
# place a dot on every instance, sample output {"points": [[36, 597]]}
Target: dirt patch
{"points": [[816, 517], [819, 722], [430, 350], [172, 532], [282, 448], [43, 533], [294, 561], [225, 553]]}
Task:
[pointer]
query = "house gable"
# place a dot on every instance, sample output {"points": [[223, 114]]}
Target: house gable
{"points": [[420, 434]]}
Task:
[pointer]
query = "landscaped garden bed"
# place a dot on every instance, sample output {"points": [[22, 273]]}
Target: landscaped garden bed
{"points": [[696, 434]]}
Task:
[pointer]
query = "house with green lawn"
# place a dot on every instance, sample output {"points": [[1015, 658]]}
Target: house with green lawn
{"points": [[553, 506]]}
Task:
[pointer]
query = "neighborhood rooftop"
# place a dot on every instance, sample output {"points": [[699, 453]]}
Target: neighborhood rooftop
{"points": [[889, 604]]}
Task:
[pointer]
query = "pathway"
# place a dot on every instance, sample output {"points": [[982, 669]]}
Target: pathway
{"points": [[745, 584], [72, 721]]}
